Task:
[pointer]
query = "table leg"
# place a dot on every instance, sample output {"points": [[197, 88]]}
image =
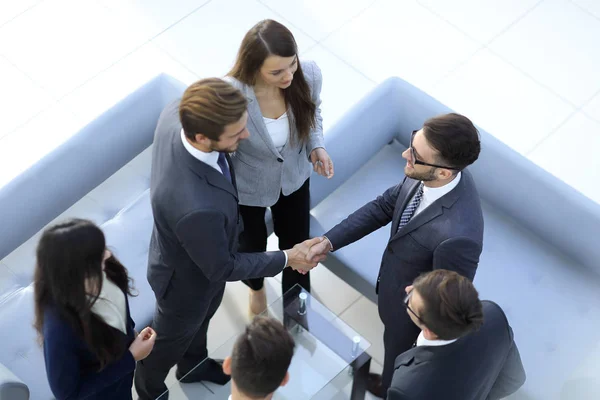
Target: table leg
{"points": [[361, 367]]}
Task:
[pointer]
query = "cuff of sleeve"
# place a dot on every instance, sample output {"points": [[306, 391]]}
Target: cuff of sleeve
{"points": [[330, 244], [286, 260], [129, 360]]}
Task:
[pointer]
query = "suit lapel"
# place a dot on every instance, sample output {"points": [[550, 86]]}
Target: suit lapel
{"points": [[256, 118], [421, 354], [212, 176], [406, 193], [433, 211]]}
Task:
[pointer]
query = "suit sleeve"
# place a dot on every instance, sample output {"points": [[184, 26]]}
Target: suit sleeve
{"points": [[63, 369], [512, 376], [368, 218], [458, 254], [316, 134], [203, 235], [396, 394]]}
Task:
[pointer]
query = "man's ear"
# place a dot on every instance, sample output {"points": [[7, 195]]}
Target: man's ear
{"points": [[428, 331], [201, 139], [227, 366], [445, 173], [285, 380]]}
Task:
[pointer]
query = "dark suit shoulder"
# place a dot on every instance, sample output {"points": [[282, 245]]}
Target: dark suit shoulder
{"points": [[494, 317]]}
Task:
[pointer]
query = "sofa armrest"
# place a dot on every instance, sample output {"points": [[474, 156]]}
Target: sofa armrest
{"points": [[359, 135], [11, 387]]}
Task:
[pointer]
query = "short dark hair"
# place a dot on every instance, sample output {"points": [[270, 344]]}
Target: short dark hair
{"points": [[208, 106], [455, 138], [451, 305], [261, 357]]}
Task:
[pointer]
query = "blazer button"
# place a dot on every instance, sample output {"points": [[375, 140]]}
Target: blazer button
{"points": [[280, 159]]}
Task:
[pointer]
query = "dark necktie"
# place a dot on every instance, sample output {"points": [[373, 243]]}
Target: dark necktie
{"points": [[409, 211], [222, 162]]}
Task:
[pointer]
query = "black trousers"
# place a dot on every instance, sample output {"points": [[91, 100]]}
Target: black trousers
{"points": [[180, 339], [398, 337], [291, 223]]}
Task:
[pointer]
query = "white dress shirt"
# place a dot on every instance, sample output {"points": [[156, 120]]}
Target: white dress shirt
{"points": [[430, 195], [421, 341], [211, 159]]}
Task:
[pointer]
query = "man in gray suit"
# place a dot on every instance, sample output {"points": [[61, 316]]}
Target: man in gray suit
{"points": [[196, 227], [466, 348], [436, 223]]}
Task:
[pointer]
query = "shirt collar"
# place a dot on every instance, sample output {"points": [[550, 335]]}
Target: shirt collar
{"points": [[421, 341], [435, 193], [208, 158]]}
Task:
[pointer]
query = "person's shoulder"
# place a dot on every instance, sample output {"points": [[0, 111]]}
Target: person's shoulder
{"points": [[311, 70], [55, 326], [493, 311], [234, 82]]}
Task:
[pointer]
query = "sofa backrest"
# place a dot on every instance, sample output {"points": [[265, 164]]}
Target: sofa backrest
{"points": [[61, 178], [540, 202], [54, 184]]}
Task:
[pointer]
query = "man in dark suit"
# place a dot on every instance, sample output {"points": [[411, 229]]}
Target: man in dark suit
{"points": [[196, 226], [465, 350], [436, 223]]}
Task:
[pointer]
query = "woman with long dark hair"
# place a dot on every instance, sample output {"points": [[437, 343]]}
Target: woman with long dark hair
{"points": [[273, 165], [82, 315]]}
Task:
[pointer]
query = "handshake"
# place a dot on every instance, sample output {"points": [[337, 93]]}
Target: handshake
{"points": [[306, 255]]}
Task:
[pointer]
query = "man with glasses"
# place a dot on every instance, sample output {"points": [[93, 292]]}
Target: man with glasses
{"points": [[436, 223], [465, 350]]}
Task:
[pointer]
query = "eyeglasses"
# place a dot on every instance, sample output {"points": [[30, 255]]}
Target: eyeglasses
{"points": [[417, 161], [406, 300]]}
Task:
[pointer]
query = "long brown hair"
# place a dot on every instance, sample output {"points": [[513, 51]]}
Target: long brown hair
{"points": [[267, 38], [68, 255]]}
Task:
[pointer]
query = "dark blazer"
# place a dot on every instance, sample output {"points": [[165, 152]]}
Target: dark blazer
{"points": [[72, 368], [446, 235], [193, 249], [484, 365]]}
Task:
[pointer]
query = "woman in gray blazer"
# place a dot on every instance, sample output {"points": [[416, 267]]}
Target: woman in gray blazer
{"points": [[273, 165]]}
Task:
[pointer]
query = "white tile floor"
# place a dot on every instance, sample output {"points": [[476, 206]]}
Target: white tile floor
{"points": [[527, 71]]}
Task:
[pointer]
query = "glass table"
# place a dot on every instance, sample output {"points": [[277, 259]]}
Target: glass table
{"points": [[330, 359]]}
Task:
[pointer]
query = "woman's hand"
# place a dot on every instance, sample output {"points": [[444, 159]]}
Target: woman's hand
{"points": [[143, 344], [321, 162]]}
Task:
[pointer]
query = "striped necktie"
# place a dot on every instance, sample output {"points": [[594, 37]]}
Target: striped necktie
{"points": [[409, 211]]}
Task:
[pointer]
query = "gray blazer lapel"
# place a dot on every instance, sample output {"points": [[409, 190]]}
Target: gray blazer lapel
{"points": [[256, 118]]}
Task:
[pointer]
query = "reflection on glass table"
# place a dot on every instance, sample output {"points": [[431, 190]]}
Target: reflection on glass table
{"points": [[329, 356]]}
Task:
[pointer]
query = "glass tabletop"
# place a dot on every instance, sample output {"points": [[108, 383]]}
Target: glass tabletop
{"points": [[326, 359]]}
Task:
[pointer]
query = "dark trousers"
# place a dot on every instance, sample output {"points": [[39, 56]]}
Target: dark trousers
{"points": [[291, 223], [180, 339], [397, 338]]}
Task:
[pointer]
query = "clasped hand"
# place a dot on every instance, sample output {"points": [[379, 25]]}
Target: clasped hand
{"points": [[306, 255]]}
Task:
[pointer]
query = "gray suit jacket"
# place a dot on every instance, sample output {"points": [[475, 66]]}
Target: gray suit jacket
{"points": [[262, 171], [196, 225], [484, 365], [446, 235]]}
